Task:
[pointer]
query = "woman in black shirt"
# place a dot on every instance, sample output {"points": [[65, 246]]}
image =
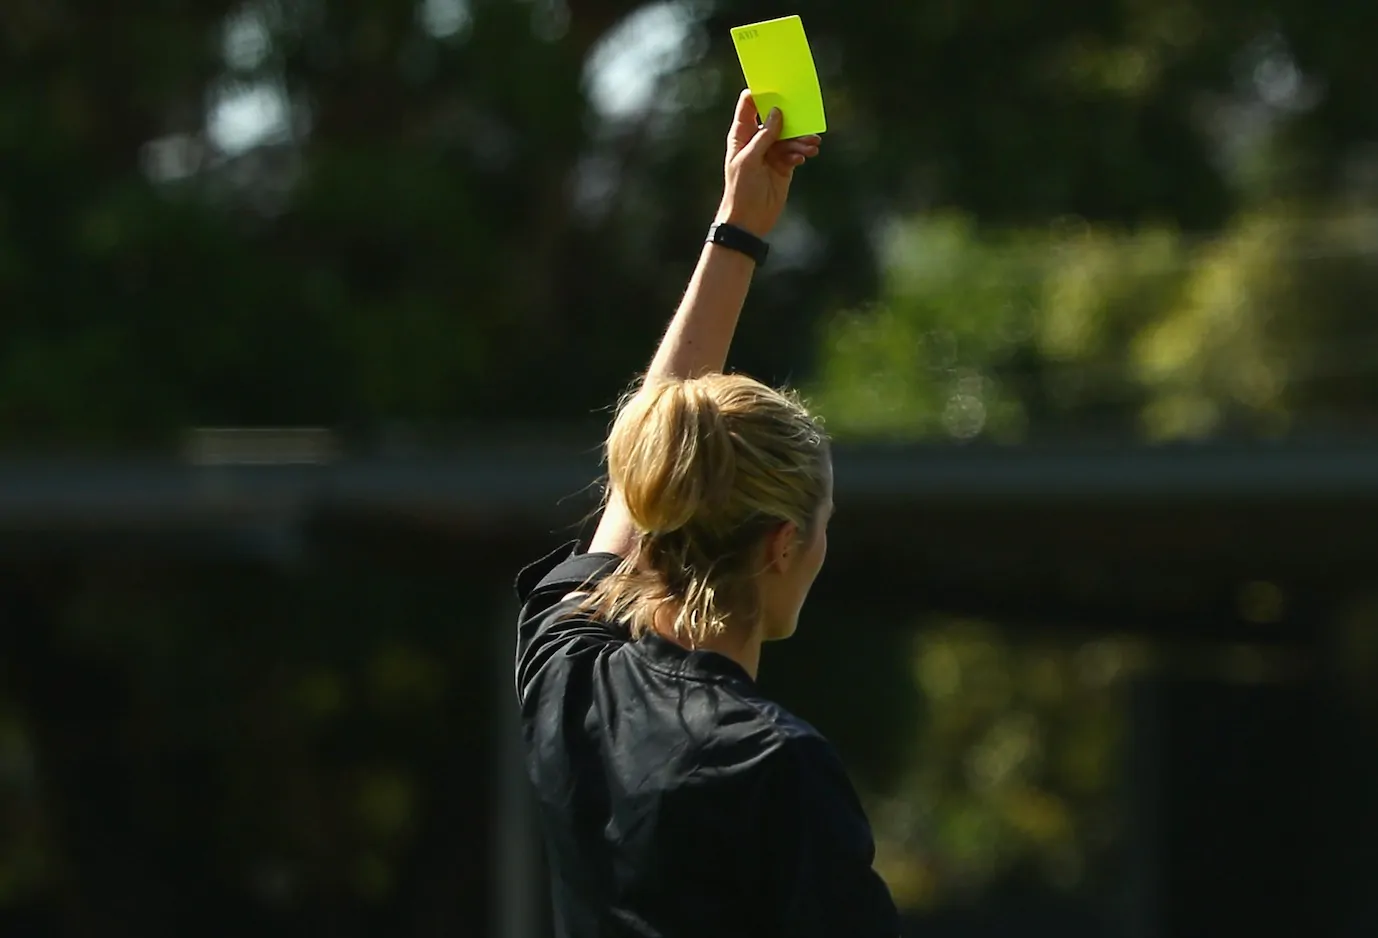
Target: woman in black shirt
{"points": [[676, 800]]}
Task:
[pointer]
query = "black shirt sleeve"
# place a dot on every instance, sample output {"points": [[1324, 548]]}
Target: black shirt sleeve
{"points": [[819, 849], [548, 625]]}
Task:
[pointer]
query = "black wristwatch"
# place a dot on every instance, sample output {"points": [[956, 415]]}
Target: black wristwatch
{"points": [[739, 239]]}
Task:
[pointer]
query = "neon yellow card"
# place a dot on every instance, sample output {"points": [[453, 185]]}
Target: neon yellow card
{"points": [[779, 70]]}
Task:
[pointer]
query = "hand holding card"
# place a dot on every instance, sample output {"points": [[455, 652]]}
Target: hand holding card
{"points": [[779, 70]]}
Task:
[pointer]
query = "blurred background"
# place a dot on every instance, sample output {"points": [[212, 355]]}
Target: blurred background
{"points": [[313, 312]]}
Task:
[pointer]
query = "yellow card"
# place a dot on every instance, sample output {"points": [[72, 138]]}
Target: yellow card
{"points": [[779, 70]]}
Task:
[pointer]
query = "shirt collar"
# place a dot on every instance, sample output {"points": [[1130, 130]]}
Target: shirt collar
{"points": [[670, 656]]}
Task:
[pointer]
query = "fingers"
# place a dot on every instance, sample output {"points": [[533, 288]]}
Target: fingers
{"points": [[766, 137], [762, 141], [801, 147], [787, 154], [746, 108], [744, 124]]}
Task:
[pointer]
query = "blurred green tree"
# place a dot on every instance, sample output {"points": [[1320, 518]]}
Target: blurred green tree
{"points": [[1257, 331], [370, 213]]}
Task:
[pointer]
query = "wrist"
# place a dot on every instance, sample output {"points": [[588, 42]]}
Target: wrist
{"points": [[739, 240], [730, 215]]}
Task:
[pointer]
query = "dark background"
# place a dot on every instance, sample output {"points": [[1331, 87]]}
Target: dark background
{"points": [[313, 313]]}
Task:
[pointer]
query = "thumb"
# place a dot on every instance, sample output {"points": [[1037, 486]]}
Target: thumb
{"points": [[765, 137]]}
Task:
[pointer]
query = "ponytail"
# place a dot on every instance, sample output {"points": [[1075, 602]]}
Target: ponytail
{"points": [[705, 467]]}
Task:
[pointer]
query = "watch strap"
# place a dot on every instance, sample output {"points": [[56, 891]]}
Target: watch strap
{"points": [[740, 240]]}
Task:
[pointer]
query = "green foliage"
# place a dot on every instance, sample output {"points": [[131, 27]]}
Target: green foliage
{"points": [[1151, 333], [1014, 768]]}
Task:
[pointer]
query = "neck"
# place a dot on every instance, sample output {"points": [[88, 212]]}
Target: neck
{"points": [[744, 649]]}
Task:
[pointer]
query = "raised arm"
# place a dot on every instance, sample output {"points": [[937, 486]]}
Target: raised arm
{"points": [[756, 178]]}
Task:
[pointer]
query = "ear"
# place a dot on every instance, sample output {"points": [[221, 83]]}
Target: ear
{"points": [[782, 546]]}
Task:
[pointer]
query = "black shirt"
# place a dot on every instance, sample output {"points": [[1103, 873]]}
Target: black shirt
{"points": [[675, 799]]}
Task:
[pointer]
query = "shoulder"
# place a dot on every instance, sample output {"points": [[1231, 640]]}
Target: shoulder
{"points": [[551, 628], [743, 715], [805, 775], [792, 789], [804, 758], [772, 743], [785, 726]]}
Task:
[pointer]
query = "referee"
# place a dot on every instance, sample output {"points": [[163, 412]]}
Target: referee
{"points": [[676, 800]]}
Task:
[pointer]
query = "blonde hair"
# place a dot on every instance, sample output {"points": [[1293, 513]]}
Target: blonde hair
{"points": [[706, 466]]}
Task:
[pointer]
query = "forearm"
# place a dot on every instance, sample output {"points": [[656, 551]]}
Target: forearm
{"points": [[695, 343], [701, 331]]}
